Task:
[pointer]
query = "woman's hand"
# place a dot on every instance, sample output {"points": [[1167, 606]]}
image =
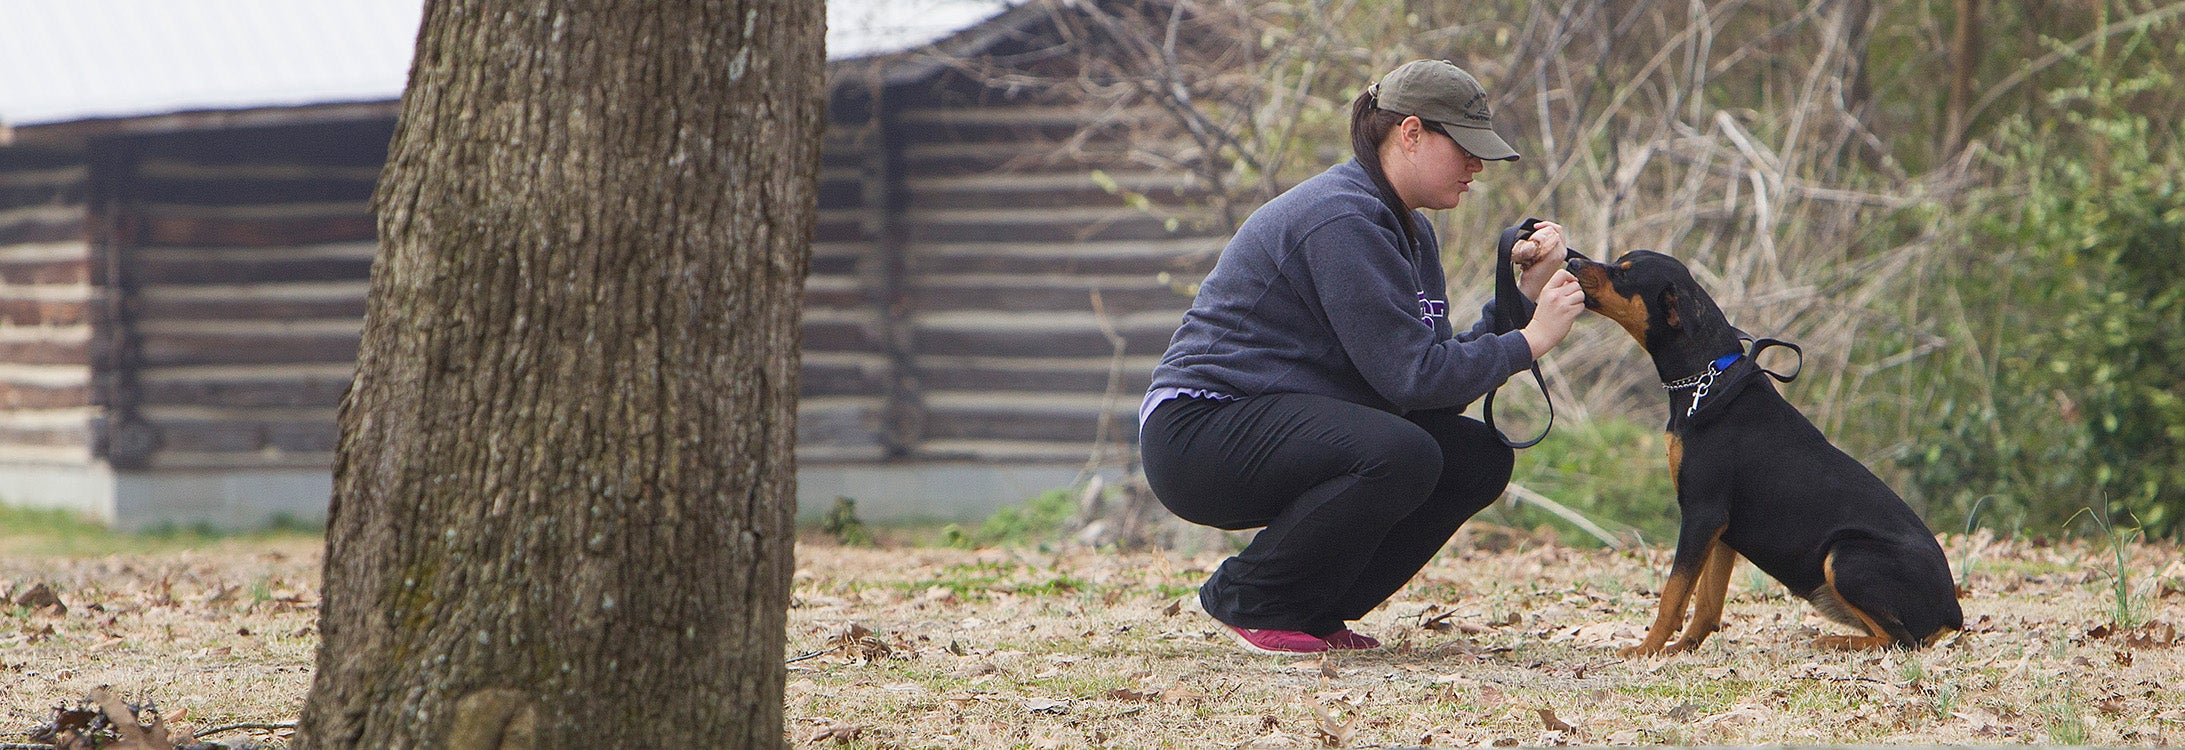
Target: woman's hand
{"points": [[1538, 257], [1560, 301]]}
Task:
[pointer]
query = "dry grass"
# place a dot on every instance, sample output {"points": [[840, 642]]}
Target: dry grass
{"points": [[220, 635], [923, 647], [1015, 648]]}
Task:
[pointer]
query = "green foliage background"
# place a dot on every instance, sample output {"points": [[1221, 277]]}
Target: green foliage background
{"points": [[2071, 296]]}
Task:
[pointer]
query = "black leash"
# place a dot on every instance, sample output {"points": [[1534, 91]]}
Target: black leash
{"points": [[1511, 313]]}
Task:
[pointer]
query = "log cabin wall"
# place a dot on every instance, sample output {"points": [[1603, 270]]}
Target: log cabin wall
{"points": [[999, 266], [180, 305], [1033, 296], [50, 313], [249, 256], [181, 297]]}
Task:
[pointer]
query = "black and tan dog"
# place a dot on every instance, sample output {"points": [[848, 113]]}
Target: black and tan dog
{"points": [[1755, 477]]}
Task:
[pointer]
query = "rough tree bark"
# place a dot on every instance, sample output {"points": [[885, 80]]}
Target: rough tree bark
{"points": [[564, 491]]}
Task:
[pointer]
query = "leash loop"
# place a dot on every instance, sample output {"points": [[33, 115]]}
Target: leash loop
{"points": [[1756, 346], [1510, 315]]}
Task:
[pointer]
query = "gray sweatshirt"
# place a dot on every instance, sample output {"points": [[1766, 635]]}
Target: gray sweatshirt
{"points": [[1316, 293]]}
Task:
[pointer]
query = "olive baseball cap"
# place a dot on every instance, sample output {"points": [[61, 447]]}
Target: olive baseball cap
{"points": [[1441, 93]]}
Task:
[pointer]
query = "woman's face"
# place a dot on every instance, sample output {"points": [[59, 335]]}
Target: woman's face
{"points": [[1436, 171]]}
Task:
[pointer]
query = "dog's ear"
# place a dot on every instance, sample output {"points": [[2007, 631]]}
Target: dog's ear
{"points": [[1669, 307]]}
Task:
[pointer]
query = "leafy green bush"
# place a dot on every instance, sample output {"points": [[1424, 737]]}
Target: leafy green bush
{"points": [[1036, 522], [842, 523], [2064, 392]]}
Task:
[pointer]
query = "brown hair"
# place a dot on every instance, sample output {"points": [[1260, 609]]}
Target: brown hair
{"points": [[1370, 126]]}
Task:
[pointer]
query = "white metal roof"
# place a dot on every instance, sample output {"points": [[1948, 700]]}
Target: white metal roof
{"points": [[65, 60], [861, 28]]}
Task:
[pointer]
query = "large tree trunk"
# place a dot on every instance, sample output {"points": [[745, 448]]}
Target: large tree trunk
{"points": [[564, 493]]}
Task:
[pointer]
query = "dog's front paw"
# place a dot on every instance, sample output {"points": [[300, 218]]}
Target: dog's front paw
{"points": [[1633, 652]]}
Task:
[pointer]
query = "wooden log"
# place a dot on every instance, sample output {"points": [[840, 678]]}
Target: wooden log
{"points": [[34, 352], [210, 437], [185, 348], [44, 436], [51, 188], [841, 192], [1083, 375], [49, 227], [276, 231], [849, 421], [1033, 417], [835, 292], [39, 269], [152, 270], [1049, 190], [303, 436], [357, 142], [253, 191], [841, 335], [34, 396], [824, 379], [843, 227], [847, 258], [1110, 225], [340, 300], [229, 393], [1039, 336], [18, 160], [1046, 292], [38, 312], [1182, 258]]}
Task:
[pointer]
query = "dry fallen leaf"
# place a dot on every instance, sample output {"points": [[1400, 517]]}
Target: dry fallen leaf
{"points": [[1549, 720], [40, 597], [124, 719], [841, 733], [1335, 727], [2155, 634], [1135, 696]]}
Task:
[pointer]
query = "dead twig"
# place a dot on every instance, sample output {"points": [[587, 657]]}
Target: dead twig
{"points": [[247, 726]]}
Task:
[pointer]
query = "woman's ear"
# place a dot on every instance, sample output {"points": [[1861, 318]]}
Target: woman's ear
{"points": [[1411, 130]]}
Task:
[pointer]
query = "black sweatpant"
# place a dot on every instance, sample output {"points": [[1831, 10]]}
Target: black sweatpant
{"points": [[1355, 500]]}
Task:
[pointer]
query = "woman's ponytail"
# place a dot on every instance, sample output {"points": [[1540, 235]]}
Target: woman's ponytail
{"points": [[1369, 128]]}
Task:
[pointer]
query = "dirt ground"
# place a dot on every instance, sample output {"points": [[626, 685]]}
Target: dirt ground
{"points": [[926, 647]]}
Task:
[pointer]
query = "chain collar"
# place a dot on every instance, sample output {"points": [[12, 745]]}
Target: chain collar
{"points": [[1702, 382]]}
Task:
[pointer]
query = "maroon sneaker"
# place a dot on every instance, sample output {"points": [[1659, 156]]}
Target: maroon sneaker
{"points": [[1278, 642], [1345, 640]]}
